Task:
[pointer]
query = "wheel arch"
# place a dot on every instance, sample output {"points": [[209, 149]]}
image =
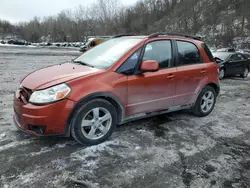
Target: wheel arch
{"points": [[211, 84], [114, 100], [215, 86]]}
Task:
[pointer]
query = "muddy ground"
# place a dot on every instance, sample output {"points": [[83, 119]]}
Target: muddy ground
{"points": [[173, 150]]}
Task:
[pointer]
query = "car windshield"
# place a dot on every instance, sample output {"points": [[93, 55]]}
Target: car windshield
{"points": [[106, 54], [223, 56]]}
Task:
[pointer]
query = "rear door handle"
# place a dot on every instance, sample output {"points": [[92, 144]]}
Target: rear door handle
{"points": [[203, 71], [170, 76]]}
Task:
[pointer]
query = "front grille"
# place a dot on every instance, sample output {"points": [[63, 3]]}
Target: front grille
{"points": [[26, 93]]}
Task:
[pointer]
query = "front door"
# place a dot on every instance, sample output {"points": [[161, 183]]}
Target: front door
{"points": [[152, 91], [241, 63], [233, 65]]}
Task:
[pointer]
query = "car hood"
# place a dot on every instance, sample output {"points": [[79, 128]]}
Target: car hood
{"points": [[56, 74]]}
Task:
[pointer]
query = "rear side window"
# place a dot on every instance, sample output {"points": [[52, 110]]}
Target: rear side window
{"points": [[240, 57], [188, 53], [208, 52]]}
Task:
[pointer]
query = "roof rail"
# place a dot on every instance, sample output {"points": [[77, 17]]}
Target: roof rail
{"points": [[124, 35], [174, 34]]}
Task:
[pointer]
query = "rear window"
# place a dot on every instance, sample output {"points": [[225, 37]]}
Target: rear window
{"points": [[208, 52]]}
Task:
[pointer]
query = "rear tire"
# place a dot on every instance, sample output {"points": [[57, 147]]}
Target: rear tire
{"points": [[94, 122], [245, 73], [205, 102]]}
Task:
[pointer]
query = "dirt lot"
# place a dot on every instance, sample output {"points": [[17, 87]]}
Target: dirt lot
{"points": [[173, 150]]}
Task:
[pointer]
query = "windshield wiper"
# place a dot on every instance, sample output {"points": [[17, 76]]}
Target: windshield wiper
{"points": [[83, 63]]}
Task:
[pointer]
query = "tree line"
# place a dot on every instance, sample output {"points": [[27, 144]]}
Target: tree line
{"points": [[220, 22]]}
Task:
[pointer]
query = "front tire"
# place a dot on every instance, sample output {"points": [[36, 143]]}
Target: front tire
{"points": [[222, 73], [245, 73], [205, 102], [94, 122]]}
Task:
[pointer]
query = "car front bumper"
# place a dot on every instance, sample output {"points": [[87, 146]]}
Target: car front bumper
{"points": [[44, 120]]}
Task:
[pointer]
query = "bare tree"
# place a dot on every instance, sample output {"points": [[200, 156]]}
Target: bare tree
{"points": [[219, 21]]}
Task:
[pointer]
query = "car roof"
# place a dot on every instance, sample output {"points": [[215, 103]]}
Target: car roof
{"points": [[163, 35]]}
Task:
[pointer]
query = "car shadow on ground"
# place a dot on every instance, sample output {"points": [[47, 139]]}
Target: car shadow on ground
{"points": [[153, 124], [236, 78], [43, 141]]}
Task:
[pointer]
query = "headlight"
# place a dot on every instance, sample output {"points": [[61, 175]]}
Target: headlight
{"points": [[51, 94]]}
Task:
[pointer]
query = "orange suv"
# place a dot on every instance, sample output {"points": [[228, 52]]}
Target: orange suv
{"points": [[123, 79]]}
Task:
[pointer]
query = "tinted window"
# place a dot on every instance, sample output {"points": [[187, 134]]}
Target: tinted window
{"points": [[129, 65], [92, 44], [240, 57], [188, 53], [208, 52], [235, 57], [160, 51]]}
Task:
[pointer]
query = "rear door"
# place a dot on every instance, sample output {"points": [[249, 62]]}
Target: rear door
{"points": [[191, 71]]}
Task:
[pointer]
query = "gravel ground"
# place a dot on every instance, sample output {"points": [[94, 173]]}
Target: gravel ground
{"points": [[173, 150]]}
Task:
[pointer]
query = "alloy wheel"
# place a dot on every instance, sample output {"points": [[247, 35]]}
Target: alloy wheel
{"points": [[246, 71], [96, 123], [207, 101], [222, 73]]}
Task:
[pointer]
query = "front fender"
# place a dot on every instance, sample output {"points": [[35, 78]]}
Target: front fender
{"points": [[106, 95]]}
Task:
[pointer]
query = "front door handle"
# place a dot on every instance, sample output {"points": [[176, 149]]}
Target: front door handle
{"points": [[170, 76]]}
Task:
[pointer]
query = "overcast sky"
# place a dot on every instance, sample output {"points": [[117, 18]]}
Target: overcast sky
{"points": [[24, 10]]}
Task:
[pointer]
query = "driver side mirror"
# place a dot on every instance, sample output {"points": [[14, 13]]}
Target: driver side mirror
{"points": [[149, 66]]}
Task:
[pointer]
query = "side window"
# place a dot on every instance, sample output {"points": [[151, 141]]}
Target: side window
{"points": [[188, 53], [160, 51], [208, 52], [129, 65], [234, 57], [240, 57], [92, 44]]}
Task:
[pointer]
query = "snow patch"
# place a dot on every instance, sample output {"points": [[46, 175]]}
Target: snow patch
{"points": [[15, 144], [2, 135], [47, 149]]}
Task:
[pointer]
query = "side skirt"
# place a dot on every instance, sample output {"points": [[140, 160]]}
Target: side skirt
{"points": [[151, 114]]}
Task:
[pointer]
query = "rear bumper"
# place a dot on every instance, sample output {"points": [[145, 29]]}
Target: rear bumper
{"points": [[43, 120]]}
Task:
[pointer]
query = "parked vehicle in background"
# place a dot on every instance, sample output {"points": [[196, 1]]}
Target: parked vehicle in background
{"points": [[213, 49], [232, 63], [245, 51], [226, 50], [92, 42], [18, 42], [121, 80], [248, 56]]}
